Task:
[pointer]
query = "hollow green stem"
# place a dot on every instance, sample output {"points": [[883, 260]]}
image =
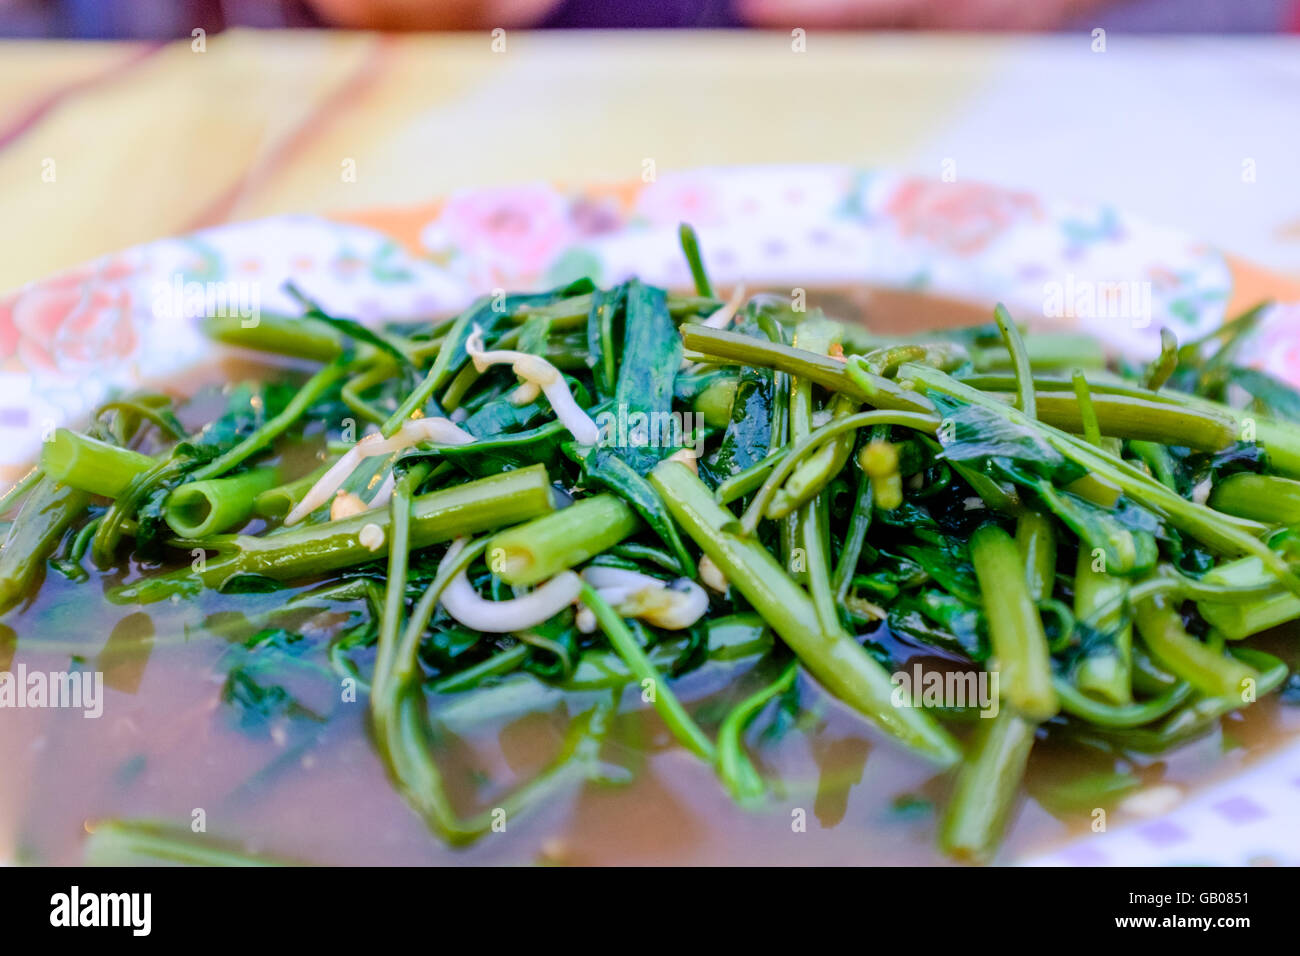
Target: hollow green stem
{"points": [[1015, 628], [1165, 363], [472, 508], [1209, 671], [986, 788], [296, 336], [1019, 361], [201, 508], [691, 249], [46, 513], [1036, 540], [1123, 416], [90, 464], [1087, 410], [1107, 671], [279, 501], [1265, 498], [530, 553], [725, 347]]}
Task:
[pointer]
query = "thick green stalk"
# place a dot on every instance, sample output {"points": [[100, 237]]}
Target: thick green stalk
{"points": [[806, 524], [1236, 621], [734, 348], [279, 501], [1036, 540], [529, 553], [817, 470], [1212, 673], [839, 662], [313, 549], [1281, 439], [1020, 648], [471, 508], [1087, 408], [48, 511], [90, 464], [201, 508], [1122, 416], [300, 337], [1165, 363], [986, 788], [1263, 498], [1107, 672]]}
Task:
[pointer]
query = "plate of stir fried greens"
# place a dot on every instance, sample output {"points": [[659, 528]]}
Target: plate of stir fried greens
{"points": [[1009, 556]]}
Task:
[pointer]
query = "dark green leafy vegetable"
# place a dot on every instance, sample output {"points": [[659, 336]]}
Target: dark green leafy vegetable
{"points": [[1097, 542]]}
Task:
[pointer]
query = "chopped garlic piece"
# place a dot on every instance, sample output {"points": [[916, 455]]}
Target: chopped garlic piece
{"points": [[712, 575], [371, 537], [536, 370], [345, 505], [686, 456]]}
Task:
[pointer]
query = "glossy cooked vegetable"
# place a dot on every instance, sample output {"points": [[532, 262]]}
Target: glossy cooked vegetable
{"points": [[1074, 547]]}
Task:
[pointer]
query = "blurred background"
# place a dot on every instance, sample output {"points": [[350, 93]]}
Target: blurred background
{"points": [[116, 19], [123, 121]]}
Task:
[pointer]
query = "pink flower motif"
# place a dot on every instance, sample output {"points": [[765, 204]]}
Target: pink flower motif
{"points": [[517, 232], [961, 217], [594, 217], [73, 322], [1275, 347], [680, 198]]}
